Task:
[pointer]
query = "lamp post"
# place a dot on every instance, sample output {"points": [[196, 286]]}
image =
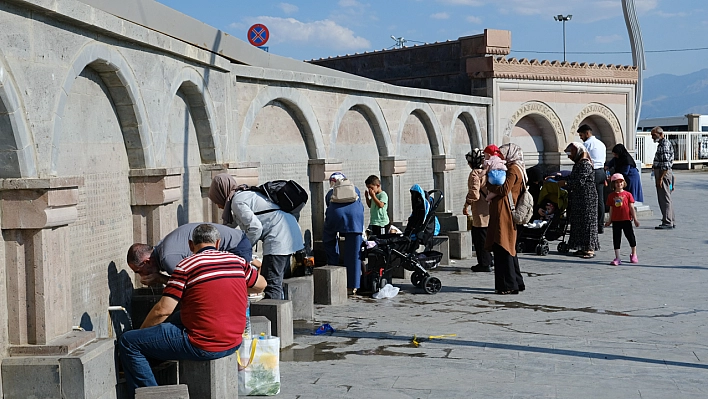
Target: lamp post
{"points": [[563, 19]]}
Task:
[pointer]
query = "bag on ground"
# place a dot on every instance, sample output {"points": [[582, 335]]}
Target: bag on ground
{"points": [[522, 210], [344, 192], [287, 194], [259, 366]]}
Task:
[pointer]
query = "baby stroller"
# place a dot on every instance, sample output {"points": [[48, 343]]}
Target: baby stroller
{"points": [[537, 235], [390, 251]]}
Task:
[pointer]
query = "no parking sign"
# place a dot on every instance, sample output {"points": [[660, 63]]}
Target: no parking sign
{"points": [[258, 35]]}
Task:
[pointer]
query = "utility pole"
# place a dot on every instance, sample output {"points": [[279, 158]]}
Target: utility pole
{"points": [[563, 19]]}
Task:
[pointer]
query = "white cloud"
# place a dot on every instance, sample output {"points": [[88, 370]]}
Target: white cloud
{"points": [[288, 8], [473, 19], [323, 33], [440, 15], [670, 15], [645, 5], [349, 3], [608, 39], [474, 3]]}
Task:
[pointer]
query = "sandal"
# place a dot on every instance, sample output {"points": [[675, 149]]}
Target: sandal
{"points": [[588, 255]]}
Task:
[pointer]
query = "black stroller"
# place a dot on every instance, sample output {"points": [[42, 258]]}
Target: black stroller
{"points": [[537, 238], [387, 252]]}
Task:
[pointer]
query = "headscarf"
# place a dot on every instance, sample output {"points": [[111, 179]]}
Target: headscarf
{"points": [[492, 150], [475, 158], [580, 151], [221, 191], [623, 157], [513, 155], [335, 177]]}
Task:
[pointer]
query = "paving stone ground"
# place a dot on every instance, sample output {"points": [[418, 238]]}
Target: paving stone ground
{"points": [[582, 329]]}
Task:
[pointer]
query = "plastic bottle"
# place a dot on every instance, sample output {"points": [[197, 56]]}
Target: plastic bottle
{"points": [[247, 330]]}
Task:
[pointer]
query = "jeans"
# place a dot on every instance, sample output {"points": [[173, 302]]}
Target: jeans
{"points": [[165, 341], [350, 252], [273, 271]]}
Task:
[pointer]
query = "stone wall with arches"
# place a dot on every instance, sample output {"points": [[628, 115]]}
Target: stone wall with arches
{"points": [[126, 126]]}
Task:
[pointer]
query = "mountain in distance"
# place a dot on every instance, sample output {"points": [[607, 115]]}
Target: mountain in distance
{"points": [[670, 95]]}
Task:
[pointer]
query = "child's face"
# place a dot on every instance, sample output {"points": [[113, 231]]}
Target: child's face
{"points": [[619, 185], [550, 208], [374, 187]]}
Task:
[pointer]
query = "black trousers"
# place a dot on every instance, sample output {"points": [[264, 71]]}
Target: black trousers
{"points": [[600, 178], [618, 228], [507, 274], [479, 236]]}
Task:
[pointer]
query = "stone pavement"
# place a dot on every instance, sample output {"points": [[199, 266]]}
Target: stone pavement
{"points": [[582, 329]]}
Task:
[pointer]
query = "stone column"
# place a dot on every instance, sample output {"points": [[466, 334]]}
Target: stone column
{"points": [[443, 165], [694, 122], [152, 191], [35, 216], [243, 172], [392, 169], [319, 171]]}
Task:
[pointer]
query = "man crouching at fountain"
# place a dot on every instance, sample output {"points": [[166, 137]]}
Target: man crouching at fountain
{"points": [[211, 286]]}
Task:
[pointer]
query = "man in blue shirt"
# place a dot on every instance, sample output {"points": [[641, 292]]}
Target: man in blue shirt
{"points": [[598, 152]]}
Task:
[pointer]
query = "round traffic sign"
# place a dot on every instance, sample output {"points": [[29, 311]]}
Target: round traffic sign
{"points": [[258, 35]]}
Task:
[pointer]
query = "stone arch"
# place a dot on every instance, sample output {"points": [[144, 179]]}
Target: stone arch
{"points": [[19, 160], [125, 94], [371, 109], [432, 127], [468, 118], [545, 117], [201, 108], [300, 107], [604, 119]]}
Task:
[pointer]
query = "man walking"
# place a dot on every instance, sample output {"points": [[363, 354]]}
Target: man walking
{"points": [[212, 288], [598, 152], [664, 177], [149, 262]]}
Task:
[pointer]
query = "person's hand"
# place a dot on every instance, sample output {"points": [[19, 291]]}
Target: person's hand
{"points": [[366, 193], [540, 212], [636, 223], [608, 224], [465, 211], [151, 280]]}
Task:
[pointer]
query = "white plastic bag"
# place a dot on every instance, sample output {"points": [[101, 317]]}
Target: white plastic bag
{"points": [[259, 366], [388, 291]]}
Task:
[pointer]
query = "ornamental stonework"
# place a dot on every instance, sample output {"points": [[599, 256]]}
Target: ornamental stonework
{"points": [[535, 107], [557, 71], [602, 111]]}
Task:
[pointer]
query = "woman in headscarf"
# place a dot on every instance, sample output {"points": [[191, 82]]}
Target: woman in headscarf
{"points": [[479, 215], [344, 219], [624, 163], [583, 202], [501, 233], [263, 220]]}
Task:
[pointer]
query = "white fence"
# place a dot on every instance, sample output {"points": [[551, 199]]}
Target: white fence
{"points": [[689, 147]]}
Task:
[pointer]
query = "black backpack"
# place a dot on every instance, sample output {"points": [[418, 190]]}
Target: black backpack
{"points": [[287, 194]]}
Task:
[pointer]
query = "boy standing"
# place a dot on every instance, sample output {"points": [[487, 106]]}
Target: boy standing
{"points": [[377, 201]]}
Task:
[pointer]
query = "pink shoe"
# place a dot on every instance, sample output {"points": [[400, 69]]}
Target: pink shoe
{"points": [[616, 262], [633, 259]]}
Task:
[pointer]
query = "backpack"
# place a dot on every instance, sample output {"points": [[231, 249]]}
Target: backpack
{"points": [[344, 192], [522, 211], [287, 194]]}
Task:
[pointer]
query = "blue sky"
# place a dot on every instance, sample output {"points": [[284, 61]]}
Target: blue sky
{"points": [[318, 28]]}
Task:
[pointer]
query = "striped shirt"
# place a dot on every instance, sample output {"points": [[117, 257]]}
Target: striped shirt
{"points": [[212, 289]]}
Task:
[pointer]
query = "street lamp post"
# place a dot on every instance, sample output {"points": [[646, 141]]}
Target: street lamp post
{"points": [[563, 19]]}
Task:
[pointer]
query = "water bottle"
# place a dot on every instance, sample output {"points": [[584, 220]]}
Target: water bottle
{"points": [[247, 329]]}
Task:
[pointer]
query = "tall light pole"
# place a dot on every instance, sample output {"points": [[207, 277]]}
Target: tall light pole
{"points": [[563, 19]]}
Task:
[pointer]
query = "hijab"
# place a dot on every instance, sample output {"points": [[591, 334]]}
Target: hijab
{"points": [[580, 151], [475, 158], [623, 157], [513, 155], [221, 191]]}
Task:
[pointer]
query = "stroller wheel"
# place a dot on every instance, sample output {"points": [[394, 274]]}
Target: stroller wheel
{"points": [[542, 249], [417, 278], [563, 247], [520, 247], [382, 282], [432, 285]]}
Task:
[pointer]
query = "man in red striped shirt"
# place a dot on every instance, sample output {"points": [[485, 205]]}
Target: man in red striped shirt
{"points": [[212, 287]]}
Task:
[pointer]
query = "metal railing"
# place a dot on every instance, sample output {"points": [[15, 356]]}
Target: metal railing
{"points": [[689, 147]]}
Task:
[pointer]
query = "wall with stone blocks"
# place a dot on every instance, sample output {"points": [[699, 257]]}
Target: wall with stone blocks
{"points": [[144, 120]]}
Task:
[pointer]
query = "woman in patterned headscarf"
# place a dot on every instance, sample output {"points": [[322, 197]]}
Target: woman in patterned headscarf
{"points": [[582, 212], [476, 209], [501, 233]]}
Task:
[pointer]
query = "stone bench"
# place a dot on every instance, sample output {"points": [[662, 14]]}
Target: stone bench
{"points": [[210, 379], [444, 248], [330, 285], [280, 314], [260, 325], [301, 292], [166, 391], [460, 244]]}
